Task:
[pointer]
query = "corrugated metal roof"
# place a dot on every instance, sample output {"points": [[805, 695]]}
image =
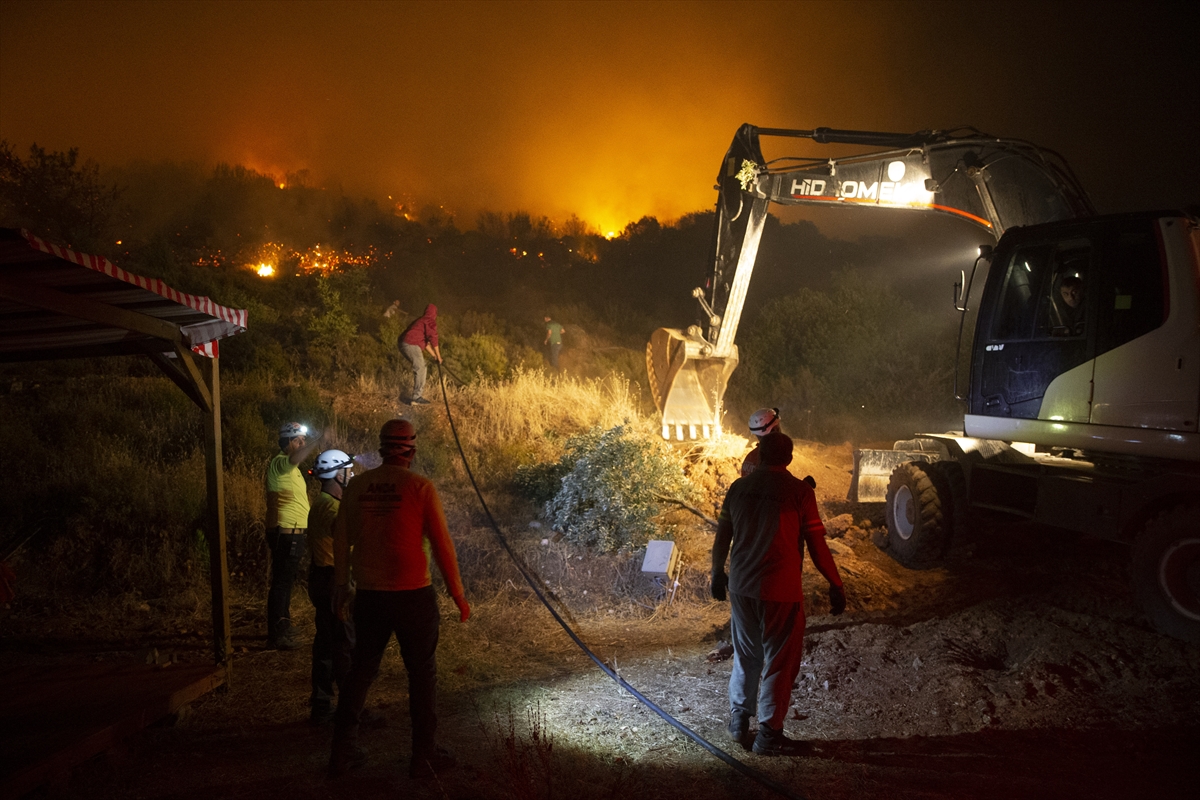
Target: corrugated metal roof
{"points": [[56, 303]]}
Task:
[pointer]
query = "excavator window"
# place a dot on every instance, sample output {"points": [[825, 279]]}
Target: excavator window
{"points": [[1064, 305], [1137, 302], [1045, 292], [1025, 274]]}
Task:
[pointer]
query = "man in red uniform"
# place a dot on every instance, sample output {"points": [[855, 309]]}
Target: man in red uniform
{"points": [[420, 337], [762, 422], [389, 519], [765, 521]]}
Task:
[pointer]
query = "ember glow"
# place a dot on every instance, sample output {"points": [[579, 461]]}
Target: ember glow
{"points": [[316, 259], [270, 259]]}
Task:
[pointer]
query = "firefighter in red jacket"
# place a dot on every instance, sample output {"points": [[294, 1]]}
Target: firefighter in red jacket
{"points": [[389, 522], [765, 522], [420, 337]]}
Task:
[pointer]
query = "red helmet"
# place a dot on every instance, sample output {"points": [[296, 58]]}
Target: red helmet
{"points": [[397, 437]]}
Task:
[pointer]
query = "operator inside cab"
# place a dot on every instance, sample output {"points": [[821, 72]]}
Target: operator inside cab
{"points": [[1068, 306]]}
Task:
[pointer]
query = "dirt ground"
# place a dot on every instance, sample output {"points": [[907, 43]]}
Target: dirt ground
{"points": [[1021, 668]]}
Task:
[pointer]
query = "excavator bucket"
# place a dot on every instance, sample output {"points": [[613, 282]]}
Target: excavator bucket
{"points": [[688, 383]]}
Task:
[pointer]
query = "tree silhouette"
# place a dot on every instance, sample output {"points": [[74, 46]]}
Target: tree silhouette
{"points": [[58, 198]]}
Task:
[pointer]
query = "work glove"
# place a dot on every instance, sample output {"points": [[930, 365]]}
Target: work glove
{"points": [[464, 610], [343, 597], [719, 583], [837, 599]]}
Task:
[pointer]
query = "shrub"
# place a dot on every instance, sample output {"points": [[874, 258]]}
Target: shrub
{"points": [[539, 482], [475, 356], [609, 493]]}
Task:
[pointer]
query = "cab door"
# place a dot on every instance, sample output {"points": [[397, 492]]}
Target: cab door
{"points": [[1033, 330], [1148, 358]]}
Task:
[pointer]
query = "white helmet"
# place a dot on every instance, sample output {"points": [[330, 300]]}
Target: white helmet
{"points": [[330, 463], [764, 421], [290, 430]]}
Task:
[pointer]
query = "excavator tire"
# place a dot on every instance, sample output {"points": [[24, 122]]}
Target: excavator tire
{"points": [[918, 528], [1166, 571], [951, 481]]}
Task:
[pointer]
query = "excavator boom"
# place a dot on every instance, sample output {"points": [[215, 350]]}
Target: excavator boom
{"points": [[993, 183]]}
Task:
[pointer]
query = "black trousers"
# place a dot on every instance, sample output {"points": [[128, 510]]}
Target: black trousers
{"points": [[413, 617], [332, 643], [286, 551]]}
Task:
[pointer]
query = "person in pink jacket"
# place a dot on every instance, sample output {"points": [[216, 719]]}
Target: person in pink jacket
{"points": [[765, 522], [420, 337]]}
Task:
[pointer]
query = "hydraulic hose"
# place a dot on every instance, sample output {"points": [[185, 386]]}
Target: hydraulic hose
{"points": [[748, 771]]}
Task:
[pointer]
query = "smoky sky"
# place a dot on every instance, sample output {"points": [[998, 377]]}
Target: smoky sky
{"points": [[611, 111]]}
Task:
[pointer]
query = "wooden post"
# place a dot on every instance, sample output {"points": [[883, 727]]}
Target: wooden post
{"points": [[218, 564]]}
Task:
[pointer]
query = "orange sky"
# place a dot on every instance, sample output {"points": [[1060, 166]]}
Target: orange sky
{"points": [[608, 110]]}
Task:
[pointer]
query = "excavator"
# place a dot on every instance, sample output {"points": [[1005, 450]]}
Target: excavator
{"points": [[1083, 392]]}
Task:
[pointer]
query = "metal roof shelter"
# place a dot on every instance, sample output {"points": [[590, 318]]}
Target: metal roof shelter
{"points": [[56, 303]]}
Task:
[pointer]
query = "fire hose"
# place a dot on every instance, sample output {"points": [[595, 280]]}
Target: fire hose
{"points": [[746, 770]]}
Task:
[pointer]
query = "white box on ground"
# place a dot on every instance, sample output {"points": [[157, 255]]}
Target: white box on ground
{"points": [[662, 559]]}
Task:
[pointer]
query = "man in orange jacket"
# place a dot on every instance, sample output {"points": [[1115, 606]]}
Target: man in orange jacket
{"points": [[389, 519]]}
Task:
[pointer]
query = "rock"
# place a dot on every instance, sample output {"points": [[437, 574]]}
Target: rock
{"points": [[840, 549], [836, 527], [723, 651]]}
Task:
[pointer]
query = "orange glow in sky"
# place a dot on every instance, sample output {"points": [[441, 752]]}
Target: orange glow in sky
{"points": [[573, 108]]}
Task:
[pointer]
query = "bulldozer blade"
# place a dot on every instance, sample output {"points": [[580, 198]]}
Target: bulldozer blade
{"points": [[873, 471], [687, 383]]}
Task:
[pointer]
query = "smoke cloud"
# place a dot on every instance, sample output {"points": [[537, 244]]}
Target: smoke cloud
{"points": [[610, 111]]}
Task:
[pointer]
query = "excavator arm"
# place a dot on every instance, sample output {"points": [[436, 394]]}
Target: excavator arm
{"points": [[994, 183]]}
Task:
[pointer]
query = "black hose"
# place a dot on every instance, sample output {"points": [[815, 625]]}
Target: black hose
{"points": [[749, 772]]}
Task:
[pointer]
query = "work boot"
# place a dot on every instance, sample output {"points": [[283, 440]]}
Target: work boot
{"points": [[420, 401], [321, 715], [431, 763], [345, 757], [771, 742], [284, 637], [739, 726]]}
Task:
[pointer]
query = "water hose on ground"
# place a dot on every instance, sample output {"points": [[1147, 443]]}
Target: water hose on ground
{"points": [[748, 771]]}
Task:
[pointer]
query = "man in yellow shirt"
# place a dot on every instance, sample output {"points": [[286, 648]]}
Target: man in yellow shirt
{"points": [[287, 520], [389, 522]]}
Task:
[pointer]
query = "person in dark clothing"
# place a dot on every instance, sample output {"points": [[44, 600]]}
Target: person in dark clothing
{"points": [[1070, 309], [420, 337], [334, 639], [765, 522]]}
